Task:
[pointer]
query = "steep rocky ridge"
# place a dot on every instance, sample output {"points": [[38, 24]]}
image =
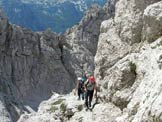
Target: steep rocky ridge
{"points": [[119, 34], [127, 67], [128, 70], [30, 67], [39, 63], [33, 65], [83, 40]]}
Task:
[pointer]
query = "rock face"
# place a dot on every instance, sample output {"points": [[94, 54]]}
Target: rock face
{"points": [[35, 64], [128, 65], [152, 22], [83, 39], [4, 115], [145, 98], [128, 69], [129, 19], [120, 33], [30, 66]]}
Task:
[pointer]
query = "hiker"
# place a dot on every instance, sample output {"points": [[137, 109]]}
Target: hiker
{"points": [[80, 88], [84, 79], [90, 87]]}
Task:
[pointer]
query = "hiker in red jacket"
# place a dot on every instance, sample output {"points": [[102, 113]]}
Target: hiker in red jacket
{"points": [[90, 87]]}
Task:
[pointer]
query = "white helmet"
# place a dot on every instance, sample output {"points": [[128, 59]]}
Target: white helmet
{"points": [[79, 78]]}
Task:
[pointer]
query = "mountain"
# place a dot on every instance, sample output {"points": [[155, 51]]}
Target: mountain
{"points": [[128, 67], [34, 65], [120, 44], [39, 15]]}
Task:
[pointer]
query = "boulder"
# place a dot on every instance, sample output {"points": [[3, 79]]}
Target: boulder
{"points": [[152, 22]]}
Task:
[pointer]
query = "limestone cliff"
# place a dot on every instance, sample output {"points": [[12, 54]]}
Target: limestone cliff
{"points": [[127, 62], [30, 67], [83, 39], [127, 65]]}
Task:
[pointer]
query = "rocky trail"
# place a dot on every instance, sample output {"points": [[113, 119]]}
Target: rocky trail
{"points": [[67, 108]]}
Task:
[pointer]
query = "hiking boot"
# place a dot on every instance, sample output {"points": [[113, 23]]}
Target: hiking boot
{"points": [[90, 109], [87, 109], [89, 104]]}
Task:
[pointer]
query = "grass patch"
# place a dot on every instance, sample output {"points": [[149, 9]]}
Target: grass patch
{"points": [[156, 119], [58, 102], [80, 107], [63, 107], [133, 67], [80, 119], [105, 86], [53, 109], [158, 45]]}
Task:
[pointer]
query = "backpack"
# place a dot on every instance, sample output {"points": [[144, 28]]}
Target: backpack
{"points": [[81, 84], [90, 85]]}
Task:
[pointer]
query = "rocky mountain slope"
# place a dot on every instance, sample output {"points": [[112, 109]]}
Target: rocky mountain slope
{"points": [[34, 65], [31, 67], [126, 59], [82, 40], [39, 15]]}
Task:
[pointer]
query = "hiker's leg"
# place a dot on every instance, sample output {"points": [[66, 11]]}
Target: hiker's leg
{"points": [[86, 98], [82, 94], [90, 97], [79, 92]]}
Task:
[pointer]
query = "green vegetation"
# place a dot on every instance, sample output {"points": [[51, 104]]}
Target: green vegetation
{"points": [[63, 107], [158, 45], [53, 109], [59, 101], [80, 107], [105, 86], [156, 119], [80, 119], [133, 67]]}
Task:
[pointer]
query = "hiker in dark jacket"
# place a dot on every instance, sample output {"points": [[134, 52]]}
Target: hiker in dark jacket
{"points": [[80, 87]]}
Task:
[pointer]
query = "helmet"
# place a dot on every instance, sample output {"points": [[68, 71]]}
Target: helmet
{"points": [[79, 78], [92, 78]]}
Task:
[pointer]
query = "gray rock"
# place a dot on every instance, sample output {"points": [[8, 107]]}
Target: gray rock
{"points": [[83, 41], [152, 22], [119, 34], [31, 67], [124, 88], [4, 114], [129, 19], [128, 71]]}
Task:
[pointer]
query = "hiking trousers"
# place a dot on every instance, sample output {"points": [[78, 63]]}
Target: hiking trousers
{"points": [[81, 92], [88, 99]]}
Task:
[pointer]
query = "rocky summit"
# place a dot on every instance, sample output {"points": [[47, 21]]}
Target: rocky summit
{"points": [[119, 43]]}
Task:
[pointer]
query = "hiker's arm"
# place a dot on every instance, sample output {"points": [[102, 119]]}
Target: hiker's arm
{"points": [[85, 85], [95, 88], [77, 85]]}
